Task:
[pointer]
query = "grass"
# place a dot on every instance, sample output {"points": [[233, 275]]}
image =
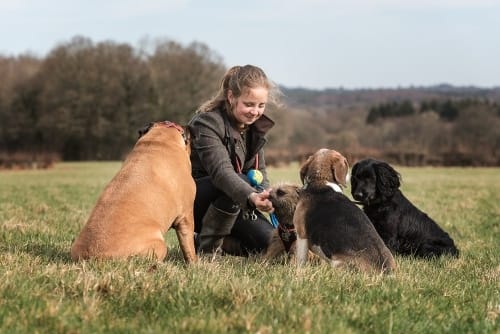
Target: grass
{"points": [[42, 291]]}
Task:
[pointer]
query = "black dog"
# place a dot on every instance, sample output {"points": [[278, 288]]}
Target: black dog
{"points": [[404, 228]]}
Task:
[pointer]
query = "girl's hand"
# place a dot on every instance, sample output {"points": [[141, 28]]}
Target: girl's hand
{"points": [[261, 201]]}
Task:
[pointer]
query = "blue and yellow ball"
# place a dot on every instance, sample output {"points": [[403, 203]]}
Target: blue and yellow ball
{"points": [[255, 177]]}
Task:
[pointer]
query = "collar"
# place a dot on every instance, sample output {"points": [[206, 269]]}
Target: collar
{"points": [[176, 126], [260, 126], [287, 235], [334, 186]]}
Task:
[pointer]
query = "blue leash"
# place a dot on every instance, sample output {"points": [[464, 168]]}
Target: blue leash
{"points": [[253, 176], [274, 220]]}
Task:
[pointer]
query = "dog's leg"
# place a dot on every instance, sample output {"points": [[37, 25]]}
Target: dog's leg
{"points": [[149, 246], [159, 249], [184, 228], [275, 247], [337, 261], [430, 250], [302, 251], [319, 252]]}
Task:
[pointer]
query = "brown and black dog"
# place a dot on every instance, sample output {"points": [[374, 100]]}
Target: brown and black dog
{"points": [[284, 197], [332, 226], [152, 192]]}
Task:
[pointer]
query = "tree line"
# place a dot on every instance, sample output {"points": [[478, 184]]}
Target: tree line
{"points": [[86, 100], [447, 110], [459, 131]]}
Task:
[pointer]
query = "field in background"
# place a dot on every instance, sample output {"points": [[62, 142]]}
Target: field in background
{"points": [[41, 290]]}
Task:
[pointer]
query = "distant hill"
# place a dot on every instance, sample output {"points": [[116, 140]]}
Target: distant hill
{"points": [[334, 98], [435, 125]]}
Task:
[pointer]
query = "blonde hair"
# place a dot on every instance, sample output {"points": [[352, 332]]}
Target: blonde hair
{"points": [[237, 79]]}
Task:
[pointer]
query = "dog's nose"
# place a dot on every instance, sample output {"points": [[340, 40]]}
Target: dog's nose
{"points": [[359, 195]]}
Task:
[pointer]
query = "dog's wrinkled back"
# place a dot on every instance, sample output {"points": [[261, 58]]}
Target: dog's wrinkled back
{"points": [[152, 192]]}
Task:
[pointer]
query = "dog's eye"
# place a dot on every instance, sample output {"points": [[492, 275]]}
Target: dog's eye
{"points": [[280, 192]]}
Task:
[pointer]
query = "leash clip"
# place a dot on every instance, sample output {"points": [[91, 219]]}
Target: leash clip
{"points": [[250, 215], [253, 216]]}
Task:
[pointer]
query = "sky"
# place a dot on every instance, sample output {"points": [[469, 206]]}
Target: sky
{"points": [[314, 44]]}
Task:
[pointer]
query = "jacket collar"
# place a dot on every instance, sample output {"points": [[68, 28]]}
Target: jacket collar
{"points": [[259, 127]]}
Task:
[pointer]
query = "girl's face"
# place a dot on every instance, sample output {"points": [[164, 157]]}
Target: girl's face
{"points": [[249, 106]]}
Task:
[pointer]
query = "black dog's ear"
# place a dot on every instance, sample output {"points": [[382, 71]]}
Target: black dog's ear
{"points": [[354, 168], [387, 179], [354, 171]]}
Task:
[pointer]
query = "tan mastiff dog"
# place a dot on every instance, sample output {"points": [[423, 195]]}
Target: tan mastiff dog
{"points": [[152, 192]]}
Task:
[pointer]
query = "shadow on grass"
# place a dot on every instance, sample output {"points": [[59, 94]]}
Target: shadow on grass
{"points": [[48, 252], [51, 250], [36, 245], [54, 253]]}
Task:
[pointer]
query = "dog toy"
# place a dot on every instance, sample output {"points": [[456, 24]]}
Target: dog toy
{"points": [[255, 177]]}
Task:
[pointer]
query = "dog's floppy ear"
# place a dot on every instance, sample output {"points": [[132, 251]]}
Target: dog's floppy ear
{"points": [[354, 170], [340, 168], [387, 179], [142, 131], [186, 135], [304, 168]]}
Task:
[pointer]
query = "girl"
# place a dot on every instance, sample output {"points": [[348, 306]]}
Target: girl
{"points": [[228, 134]]}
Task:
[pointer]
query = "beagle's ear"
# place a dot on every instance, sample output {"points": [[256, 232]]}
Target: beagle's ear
{"points": [[304, 168], [340, 169]]}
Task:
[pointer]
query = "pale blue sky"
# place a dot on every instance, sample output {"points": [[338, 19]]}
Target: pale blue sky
{"points": [[299, 43]]}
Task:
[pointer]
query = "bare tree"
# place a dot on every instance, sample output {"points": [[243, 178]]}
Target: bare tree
{"points": [[184, 77], [94, 98], [18, 106]]}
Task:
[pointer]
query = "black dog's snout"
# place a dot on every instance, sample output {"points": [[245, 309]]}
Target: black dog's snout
{"points": [[359, 195]]}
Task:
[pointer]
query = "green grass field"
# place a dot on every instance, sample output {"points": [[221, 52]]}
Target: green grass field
{"points": [[42, 291]]}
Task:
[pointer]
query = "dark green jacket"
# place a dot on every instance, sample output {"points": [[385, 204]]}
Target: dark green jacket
{"points": [[211, 147]]}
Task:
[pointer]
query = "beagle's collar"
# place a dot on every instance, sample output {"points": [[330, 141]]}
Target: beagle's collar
{"points": [[334, 186]]}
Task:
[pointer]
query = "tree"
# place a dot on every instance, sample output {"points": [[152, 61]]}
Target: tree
{"points": [[93, 99], [18, 103], [476, 133], [184, 77]]}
